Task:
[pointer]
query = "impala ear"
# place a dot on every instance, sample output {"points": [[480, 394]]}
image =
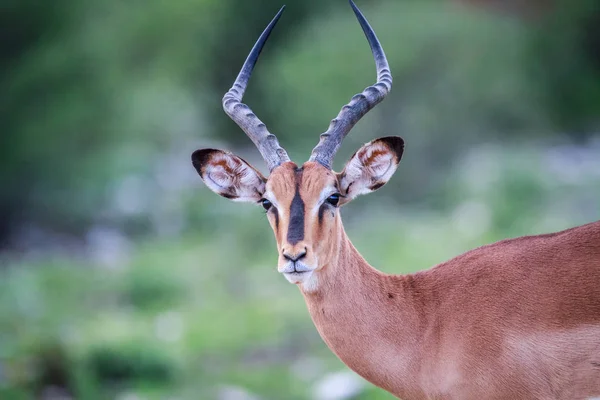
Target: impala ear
{"points": [[228, 175], [370, 167]]}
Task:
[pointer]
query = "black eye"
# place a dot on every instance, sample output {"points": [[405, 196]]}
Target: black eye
{"points": [[334, 199], [266, 204]]}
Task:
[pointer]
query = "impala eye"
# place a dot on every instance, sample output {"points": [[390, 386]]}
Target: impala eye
{"points": [[334, 199], [266, 204]]}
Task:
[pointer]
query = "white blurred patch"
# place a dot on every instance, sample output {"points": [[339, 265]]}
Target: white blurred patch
{"points": [[338, 386], [129, 396], [168, 326], [481, 169], [230, 392], [577, 165], [107, 247], [472, 218], [307, 369], [132, 195]]}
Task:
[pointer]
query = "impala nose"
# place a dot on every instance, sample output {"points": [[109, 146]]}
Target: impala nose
{"points": [[294, 257]]}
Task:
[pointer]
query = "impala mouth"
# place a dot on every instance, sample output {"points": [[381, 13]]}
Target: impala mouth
{"points": [[297, 277], [296, 272]]}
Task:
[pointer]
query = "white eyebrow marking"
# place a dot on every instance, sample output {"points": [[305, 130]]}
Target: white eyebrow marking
{"points": [[325, 193], [271, 197]]}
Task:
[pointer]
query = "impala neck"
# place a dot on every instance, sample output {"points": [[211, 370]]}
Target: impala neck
{"points": [[361, 314]]}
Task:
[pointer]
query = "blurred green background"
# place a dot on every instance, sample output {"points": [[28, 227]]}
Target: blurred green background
{"points": [[123, 277]]}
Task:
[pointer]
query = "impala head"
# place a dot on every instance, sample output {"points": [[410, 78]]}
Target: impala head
{"points": [[302, 202]]}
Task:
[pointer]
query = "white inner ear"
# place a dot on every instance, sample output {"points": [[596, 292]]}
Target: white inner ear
{"points": [[378, 159], [217, 179], [373, 163], [228, 174]]}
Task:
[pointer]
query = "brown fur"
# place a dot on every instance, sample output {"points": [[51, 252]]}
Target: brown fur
{"points": [[518, 319]]}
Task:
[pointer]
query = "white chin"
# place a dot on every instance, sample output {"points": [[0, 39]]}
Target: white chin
{"points": [[298, 277]]}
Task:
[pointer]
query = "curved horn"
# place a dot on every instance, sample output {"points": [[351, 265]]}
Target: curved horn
{"points": [[265, 141], [360, 104]]}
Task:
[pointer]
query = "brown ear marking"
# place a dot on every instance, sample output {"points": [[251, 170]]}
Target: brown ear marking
{"points": [[394, 143]]}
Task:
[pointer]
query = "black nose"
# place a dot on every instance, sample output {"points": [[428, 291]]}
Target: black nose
{"points": [[294, 257]]}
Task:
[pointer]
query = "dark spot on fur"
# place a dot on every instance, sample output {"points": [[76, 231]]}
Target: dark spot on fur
{"points": [[377, 185], [229, 196], [596, 364], [390, 296]]}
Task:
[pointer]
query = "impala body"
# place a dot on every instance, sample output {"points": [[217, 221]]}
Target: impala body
{"points": [[518, 319]]}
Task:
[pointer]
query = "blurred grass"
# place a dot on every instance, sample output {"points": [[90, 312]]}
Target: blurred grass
{"points": [[171, 316], [192, 317], [124, 277]]}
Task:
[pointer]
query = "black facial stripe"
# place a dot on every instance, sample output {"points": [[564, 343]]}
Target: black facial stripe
{"points": [[321, 212], [276, 219], [296, 227]]}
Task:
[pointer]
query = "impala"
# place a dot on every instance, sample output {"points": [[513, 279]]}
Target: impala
{"points": [[517, 319]]}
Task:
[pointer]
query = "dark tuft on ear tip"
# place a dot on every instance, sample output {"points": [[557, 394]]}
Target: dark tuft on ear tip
{"points": [[395, 143], [201, 157]]}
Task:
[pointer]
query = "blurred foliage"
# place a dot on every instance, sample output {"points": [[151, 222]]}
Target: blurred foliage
{"points": [[565, 53], [97, 91], [123, 277], [207, 315]]}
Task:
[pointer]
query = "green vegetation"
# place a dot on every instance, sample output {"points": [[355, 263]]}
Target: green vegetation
{"points": [[196, 316], [122, 276]]}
